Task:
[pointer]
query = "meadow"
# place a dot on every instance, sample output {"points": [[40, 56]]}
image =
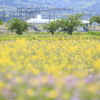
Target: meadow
{"points": [[50, 67]]}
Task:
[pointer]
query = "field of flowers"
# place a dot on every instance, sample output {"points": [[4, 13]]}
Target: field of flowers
{"points": [[50, 69]]}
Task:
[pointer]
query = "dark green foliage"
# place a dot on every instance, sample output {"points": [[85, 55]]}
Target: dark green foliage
{"points": [[71, 23], [65, 25], [51, 27], [1, 22], [95, 19], [18, 26]]}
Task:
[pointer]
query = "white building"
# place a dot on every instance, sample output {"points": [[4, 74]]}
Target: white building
{"points": [[85, 21], [39, 20]]}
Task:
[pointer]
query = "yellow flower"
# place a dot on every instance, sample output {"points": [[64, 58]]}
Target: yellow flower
{"points": [[66, 96], [2, 84], [53, 94], [92, 88], [19, 79], [97, 64], [30, 92], [9, 75]]}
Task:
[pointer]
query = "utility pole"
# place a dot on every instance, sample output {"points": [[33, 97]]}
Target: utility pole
{"points": [[13, 14], [29, 12], [21, 14], [4, 15], [49, 15], [72, 11], [26, 14], [10, 15], [54, 16]]}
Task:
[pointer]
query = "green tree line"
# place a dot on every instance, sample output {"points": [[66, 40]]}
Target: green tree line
{"points": [[68, 25]]}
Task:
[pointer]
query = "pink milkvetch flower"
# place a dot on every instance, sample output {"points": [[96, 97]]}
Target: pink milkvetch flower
{"points": [[75, 98], [51, 80], [89, 78], [70, 81]]}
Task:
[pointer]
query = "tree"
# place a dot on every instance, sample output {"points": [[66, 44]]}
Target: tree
{"points": [[98, 19], [1, 22], [95, 19], [71, 23], [18, 26], [52, 26]]}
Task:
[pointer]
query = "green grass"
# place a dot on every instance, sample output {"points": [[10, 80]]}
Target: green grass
{"points": [[44, 35]]}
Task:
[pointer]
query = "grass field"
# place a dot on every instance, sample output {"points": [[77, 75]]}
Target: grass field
{"points": [[45, 67], [48, 36]]}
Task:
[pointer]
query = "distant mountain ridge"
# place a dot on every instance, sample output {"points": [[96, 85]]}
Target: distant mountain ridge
{"points": [[88, 6]]}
